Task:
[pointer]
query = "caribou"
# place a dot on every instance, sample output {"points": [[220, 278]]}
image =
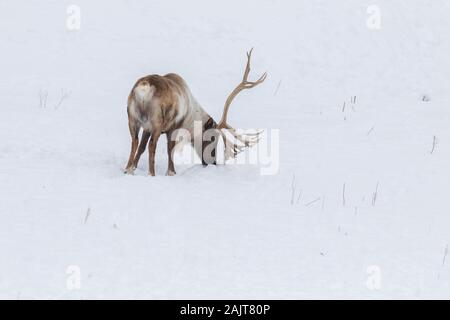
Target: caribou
{"points": [[165, 105]]}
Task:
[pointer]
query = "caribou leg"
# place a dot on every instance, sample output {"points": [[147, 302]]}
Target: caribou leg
{"points": [[170, 146], [134, 132], [142, 146], [152, 149]]}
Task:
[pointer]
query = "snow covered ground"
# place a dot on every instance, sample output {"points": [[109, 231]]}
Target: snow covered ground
{"points": [[359, 207]]}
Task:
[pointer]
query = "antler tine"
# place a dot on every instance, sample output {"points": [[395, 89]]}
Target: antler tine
{"points": [[245, 136], [251, 84], [247, 67], [262, 78], [239, 142]]}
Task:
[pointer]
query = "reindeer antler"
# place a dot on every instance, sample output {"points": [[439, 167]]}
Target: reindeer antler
{"points": [[248, 140], [245, 84]]}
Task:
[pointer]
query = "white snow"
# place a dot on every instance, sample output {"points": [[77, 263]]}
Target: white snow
{"points": [[315, 229]]}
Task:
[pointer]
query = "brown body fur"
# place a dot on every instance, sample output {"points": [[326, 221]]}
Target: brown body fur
{"points": [[160, 113]]}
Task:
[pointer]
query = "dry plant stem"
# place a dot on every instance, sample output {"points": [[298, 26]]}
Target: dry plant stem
{"points": [[375, 195], [293, 189], [445, 255], [434, 145], [311, 202], [343, 195], [88, 213]]}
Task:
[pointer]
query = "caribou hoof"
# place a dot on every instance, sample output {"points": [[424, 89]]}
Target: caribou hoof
{"points": [[170, 173]]}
